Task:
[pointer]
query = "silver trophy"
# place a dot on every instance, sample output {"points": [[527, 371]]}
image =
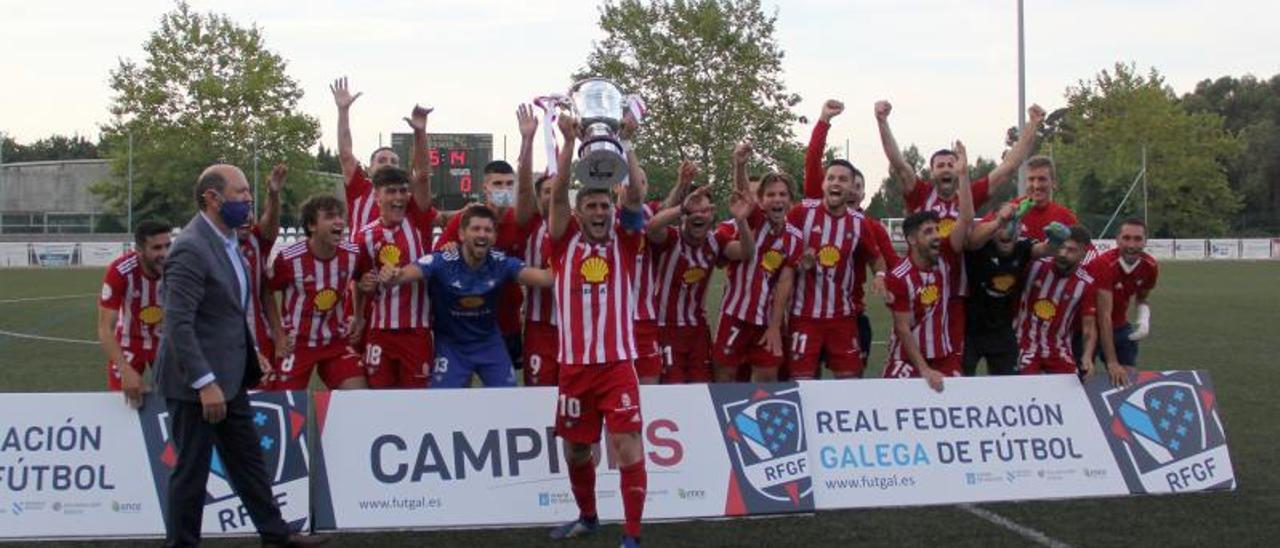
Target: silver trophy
{"points": [[598, 105]]}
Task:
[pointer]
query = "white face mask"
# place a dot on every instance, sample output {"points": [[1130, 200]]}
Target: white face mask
{"points": [[502, 197]]}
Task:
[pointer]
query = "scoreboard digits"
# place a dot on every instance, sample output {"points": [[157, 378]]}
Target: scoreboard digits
{"points": [[457, 161]]}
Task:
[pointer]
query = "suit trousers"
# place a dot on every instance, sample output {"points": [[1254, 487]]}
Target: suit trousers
{"points": [[237, 442]]}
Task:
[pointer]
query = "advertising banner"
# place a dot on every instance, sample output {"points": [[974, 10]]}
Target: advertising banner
{"points": [[99, 253], [888, 442], [14, 254], [281, 420], [74, 465], [54, 254], [1224, 249], [1255, 249], [1189, 250], [85, 465], [1160, 249], [390, 460]]}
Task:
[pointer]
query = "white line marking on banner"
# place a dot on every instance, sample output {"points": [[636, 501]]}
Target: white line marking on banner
{"points": [[52, 298], [4, 333], [1026, 532]]}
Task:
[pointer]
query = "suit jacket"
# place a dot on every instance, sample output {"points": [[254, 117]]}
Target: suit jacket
{"points": [[205, 326]]}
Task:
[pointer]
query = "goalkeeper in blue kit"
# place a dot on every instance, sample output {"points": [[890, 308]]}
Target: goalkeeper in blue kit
{"points": [[463, 284]]}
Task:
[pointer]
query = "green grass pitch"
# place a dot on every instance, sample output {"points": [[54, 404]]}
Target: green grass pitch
{"points": [[1223, 317]]}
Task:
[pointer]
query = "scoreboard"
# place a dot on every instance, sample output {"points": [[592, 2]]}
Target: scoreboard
{"points": [[457, 164]]}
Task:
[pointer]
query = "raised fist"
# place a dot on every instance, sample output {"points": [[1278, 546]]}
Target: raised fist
{"points": [[883, 108], [831, 109]]}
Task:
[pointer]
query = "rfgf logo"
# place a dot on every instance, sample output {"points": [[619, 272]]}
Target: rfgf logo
{"points": [[763, 428], [1165, 432]]}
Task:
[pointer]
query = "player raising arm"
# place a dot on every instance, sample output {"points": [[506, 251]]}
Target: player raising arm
{"points": [[594, 258], [939, 193], [923, 285], [684, 259]]}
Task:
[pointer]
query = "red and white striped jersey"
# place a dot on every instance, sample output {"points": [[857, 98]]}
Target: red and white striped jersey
{"points": [[255, 249], [683, 268], [643, 299], [924, 197], [593, 293], [826, 291], [403, 306], [539, 303], [362, 203], [926, 294], [128, 290], [748, 290], [1052, 305], [313, 291]]}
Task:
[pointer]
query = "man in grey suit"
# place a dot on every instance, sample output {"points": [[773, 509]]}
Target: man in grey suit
{"points": [[208, 360]]}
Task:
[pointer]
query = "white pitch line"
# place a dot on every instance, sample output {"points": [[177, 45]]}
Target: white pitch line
{"points": [[4, 333], [1026, 532], [53, 298]]}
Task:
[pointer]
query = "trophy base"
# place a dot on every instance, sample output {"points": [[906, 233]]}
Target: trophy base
{"points": [[601, 163]]}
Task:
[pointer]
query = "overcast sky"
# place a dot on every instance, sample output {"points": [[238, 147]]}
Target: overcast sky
{"points": [[948, 67]]}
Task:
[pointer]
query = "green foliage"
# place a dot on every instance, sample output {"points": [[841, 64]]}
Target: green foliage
{"points": [[53, 147], [208, 91], [1109, 121], [710, 72], [1250, 110]]}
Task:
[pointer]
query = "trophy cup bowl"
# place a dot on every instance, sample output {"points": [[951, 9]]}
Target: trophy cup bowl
{"points": [[598, 105]]}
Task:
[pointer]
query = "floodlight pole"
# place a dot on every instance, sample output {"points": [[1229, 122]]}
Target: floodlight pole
{"points": [[129, 216], [1022, 95], [1145, 204]]}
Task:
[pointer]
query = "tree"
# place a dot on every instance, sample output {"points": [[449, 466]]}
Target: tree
{"points": [[710, 72], [53, 147], [208, 91], [1111, 118], [327, 161], [1250, 110]]}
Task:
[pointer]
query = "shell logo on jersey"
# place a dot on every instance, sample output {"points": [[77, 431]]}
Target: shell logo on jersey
{"points": [[1045, 309], [694, 275], [945, 226], [325, 299], [929, 294], [389, 255], [151, 315], [594, 270], [828, 256], [771, 260], [1003, 282], [471, 302]]}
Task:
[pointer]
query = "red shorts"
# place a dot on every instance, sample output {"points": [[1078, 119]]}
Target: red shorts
{"points": [[399, 358], [139, 361], [648, 354], [1029, 364], [338, 362], [686, 354], [950, 366], [597, 395], [836, 339], [541, 354], [738, 343]]}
